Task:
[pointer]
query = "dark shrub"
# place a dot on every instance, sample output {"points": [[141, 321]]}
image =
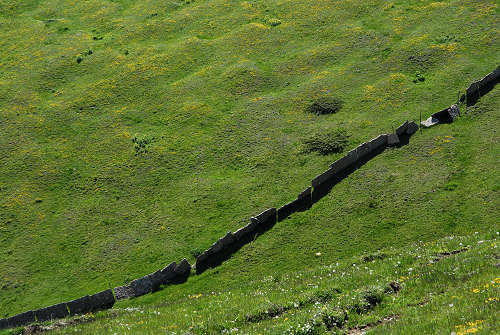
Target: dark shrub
{"points": [[325, 105]]}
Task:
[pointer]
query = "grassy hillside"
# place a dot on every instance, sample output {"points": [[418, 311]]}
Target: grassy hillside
{"points": [[135, 133], [440, 287]]}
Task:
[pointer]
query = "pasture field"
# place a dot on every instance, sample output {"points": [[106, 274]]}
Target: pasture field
{"points": [[136, 133]]}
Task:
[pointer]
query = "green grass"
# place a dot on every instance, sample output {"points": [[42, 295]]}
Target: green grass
{"points": [[447, 285], [188, 118]]}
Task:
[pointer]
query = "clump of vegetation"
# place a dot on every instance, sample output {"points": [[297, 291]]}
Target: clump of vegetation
{"points": [[327, 142], [418, 77], [325, 105], [367, 300], [141, 143], [272, 21], [334, 319]]}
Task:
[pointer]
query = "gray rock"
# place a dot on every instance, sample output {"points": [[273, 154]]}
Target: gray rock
{"points": [[21, 319], [79, 306], [141, 286], [52, 312], [102, 300], [345, 162], [363, 150], [378, 142], [412, 128], [3, 323], [223, 243], [247, 230], [392, 140], [430, 122], [123, 292], [183, 268], [454, 111], [324, 177], [266, 216], [402, 129], [156, 279], [305, 193], [168, 273]]}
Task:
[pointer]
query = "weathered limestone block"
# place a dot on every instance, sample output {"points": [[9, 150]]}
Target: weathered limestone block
{"points": [[479, 88], [102, 300], [345, 162], [182, 271], [325, 177], [246, 231], [20, 319], [363, 150], [378, 142], [52, 312], [3, 323], [79, 306], [431, 121], [392, 140], [401, 130], [124, 292], [141, 286], [412, 128], [223, 243]]}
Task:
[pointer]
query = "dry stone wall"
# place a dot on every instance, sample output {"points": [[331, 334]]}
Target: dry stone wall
{"points": [[172, 274], [479, 88], [227, 245]]}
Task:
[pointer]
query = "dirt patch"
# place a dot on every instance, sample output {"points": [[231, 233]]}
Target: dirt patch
{"points": [[38, 329], [363, 329]]}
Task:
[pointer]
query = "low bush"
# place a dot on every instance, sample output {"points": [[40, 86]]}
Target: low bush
{"points": [[325, 105]]}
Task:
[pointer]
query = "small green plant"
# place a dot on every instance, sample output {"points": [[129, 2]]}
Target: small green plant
{"points": [[327, 142], [196, 252], [419, 77], [141, 143]]}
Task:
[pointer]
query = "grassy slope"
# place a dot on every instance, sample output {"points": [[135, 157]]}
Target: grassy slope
{"points": [[221, 95]]}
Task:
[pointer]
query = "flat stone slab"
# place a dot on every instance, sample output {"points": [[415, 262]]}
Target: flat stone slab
{"points": [[402, 129], [20, 319], [412, 128], [52, 312], [223, 243], [429, 122], [324, 177], [183, 269], [243, 232], [141, 286], [363, 150], [102, 300], [268, 215], [393, 140], [79, 306], [3, 323], [345, 162], [378, 142]]}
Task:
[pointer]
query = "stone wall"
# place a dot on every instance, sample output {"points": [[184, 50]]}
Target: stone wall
{"points": [[172, 274], [479, 88]]}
